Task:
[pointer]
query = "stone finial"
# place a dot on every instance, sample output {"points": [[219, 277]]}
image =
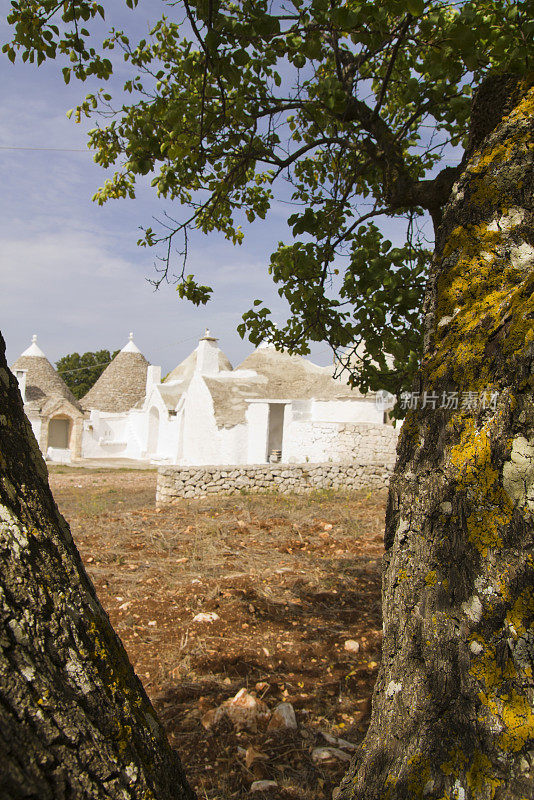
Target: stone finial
{"points": [[130, 346], [34, 349], [208, 336]]}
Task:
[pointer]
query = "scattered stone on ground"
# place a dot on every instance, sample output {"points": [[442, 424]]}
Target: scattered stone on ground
{"points": [[263, 786], [282, 717], [321, 755], [336, 742], [209, 616], [244, 711]]}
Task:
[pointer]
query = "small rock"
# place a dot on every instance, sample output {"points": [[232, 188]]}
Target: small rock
{"points": [[335, 742], [323, 755], [352, 646], [206, 616], [252, 755], [243, 710], [283, 717], [263, 786]]}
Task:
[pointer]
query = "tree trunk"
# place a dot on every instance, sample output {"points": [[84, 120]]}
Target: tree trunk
{"points": [[452, 710], [75, 721]]}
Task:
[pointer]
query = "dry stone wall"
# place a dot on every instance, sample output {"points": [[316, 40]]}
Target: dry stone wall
{"points": [[363, 442], [176, 482]]}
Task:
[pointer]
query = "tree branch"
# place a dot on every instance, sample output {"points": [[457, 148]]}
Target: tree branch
{"points": [[396, 46]]}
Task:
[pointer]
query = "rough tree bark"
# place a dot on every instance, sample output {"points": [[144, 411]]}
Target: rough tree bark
{"points": [[452, 710], [452, 715], [75, 721]]}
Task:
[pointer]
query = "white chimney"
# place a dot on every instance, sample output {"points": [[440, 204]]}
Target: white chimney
{"points": [[153, 376], [20, 375], [207, 355]]}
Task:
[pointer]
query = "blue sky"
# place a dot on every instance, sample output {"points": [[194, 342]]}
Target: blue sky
{"points": [[71, 270]]}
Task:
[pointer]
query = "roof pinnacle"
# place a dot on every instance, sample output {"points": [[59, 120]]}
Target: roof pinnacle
{"points": [[34, 349]]}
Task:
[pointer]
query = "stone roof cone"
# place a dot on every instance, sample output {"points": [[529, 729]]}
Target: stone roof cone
{"points": [[196, 361], [122, 384], [272, 374], [42, 380], [294, 376]]}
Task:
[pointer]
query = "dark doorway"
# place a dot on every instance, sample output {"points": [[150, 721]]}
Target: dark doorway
{"points": [[276, 429]]}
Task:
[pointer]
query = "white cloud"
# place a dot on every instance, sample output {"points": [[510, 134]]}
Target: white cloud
{"points": [[76, 293], [70, 270]]}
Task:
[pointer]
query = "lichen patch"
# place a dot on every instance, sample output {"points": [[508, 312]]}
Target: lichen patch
{"points": [[518, 473]]}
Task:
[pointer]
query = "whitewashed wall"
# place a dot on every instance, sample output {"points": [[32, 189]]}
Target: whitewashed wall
{"points": [[200, 434], [105, 436], [346, 411], [233, 445], [35, 422], [257, 417], [315, 431], [168, 440]]}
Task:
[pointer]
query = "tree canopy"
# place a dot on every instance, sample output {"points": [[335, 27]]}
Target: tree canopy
{"points": [[355, 112], [80, 372]]}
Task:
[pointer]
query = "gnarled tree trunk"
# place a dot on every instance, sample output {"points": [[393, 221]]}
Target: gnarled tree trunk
{"points": [[75, 721], [452, 710]]}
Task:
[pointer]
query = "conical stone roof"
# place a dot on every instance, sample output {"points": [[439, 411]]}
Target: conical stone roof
{"points": [[42, 380], [293, 376], [185, 370], [270, 374], [122, 384]]}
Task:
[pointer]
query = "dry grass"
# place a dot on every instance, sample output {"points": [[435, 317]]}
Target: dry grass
{"points": [[291, 578]]}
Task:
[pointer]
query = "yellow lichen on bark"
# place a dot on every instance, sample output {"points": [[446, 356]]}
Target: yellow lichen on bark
{"points": [[476, 476], [479, 293], [478, 773], [484, 286]]}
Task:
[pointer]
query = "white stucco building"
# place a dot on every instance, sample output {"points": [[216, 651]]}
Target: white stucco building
{"points": [[54, 413], [272, 407]]}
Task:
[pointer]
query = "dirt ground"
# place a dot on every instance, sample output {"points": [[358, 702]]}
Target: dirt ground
{"points": [[291, 579]]}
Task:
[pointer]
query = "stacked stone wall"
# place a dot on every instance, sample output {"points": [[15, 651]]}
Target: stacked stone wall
{"points": [[176, 482], [363, 442]]}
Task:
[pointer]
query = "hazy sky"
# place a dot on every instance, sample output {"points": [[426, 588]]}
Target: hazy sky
{"points": [[71, 271]]}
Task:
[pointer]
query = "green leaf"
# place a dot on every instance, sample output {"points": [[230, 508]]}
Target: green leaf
{"points": [[415, 7]]}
